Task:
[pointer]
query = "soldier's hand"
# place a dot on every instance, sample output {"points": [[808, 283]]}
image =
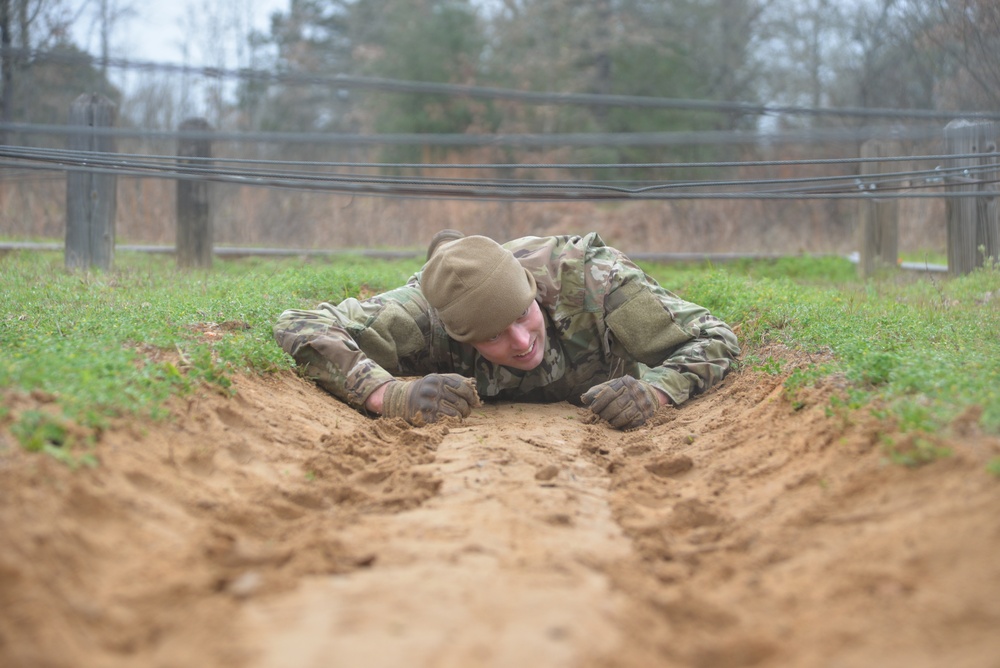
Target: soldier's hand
{"points": [[626, 403], [427, 399]]}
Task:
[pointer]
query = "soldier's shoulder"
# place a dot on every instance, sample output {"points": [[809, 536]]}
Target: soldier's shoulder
{"points": [[555, 247]]}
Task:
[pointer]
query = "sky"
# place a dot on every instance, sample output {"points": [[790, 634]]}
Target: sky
{"points": [[195, 33], [157, 31]]}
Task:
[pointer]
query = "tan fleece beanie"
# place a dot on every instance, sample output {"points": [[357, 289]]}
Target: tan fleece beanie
{"points": [[477, 286]]}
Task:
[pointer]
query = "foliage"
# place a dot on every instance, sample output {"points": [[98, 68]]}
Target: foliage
{"points": [[431, 41], [122, 342], [824, 270], [894, 65], [965, 37], [808, 53], [924, 347], [994, 466], [311, 37], [44, 91], [900, 55], [915, 452], [691, 49], [37, 431], [38, 87]]}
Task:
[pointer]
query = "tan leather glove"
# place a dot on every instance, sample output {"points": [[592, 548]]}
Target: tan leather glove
{"points": [[626, 403], [427, 399]]}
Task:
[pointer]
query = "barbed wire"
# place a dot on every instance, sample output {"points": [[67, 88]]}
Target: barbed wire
{"points": [[76, 154], [309, 176], [905, 183], [344, 81], [513, 140], [131, 162]]}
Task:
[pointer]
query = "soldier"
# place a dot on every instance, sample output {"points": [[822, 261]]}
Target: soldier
{"points": [[535, 319]]}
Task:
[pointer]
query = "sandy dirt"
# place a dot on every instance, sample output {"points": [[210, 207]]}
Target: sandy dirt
{"points": [[280, 528]]}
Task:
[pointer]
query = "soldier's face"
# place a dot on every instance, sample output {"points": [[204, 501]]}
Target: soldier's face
{"points": [[521, 345]]}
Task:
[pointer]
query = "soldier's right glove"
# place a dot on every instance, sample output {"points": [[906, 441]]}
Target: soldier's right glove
{"points": [[626, 403], [427, 399]]}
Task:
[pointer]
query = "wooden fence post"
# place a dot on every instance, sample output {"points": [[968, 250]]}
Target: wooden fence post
{"points": [[194, 215], [879, 217], [91, 198], [973, 222]]}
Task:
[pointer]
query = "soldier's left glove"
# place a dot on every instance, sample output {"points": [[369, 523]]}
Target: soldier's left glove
{"points": [[626, 403]]}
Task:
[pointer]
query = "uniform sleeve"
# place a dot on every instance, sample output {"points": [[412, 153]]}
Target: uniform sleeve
{"points": [[681, 347], [353, 348]]}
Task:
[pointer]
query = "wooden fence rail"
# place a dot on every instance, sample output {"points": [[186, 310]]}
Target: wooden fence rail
{"points": [[194, 215], [879, 216], [91, 198], [973, 223]]}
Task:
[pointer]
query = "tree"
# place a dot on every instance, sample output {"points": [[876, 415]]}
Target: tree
{"points": [[890, 64], [436, 41], [804, 45], [689, 49], [410, 40], [968, 32], [552, 46], [6, 64], [110, 15], [217, 34], [42, 71], [310, 38]]}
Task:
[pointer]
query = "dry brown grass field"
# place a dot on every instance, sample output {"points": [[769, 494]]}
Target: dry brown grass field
{"points": [[33, 207]]}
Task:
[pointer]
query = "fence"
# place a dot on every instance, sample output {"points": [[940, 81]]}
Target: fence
{"points": [[972, 215], [968, 183]]}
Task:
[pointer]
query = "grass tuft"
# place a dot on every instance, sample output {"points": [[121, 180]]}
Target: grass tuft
{"points": [[915, 452], [994, 466]]}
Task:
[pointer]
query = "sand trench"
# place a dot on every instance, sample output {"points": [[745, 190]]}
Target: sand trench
{"points": [[280, 528]]}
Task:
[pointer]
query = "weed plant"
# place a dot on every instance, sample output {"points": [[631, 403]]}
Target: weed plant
{"points": [[106, 344]]}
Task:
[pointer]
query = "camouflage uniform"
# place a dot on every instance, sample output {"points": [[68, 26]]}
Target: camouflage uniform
{"points": [[604, 318]]}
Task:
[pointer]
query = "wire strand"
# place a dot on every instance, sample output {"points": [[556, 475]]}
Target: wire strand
{"points": [[343, 81]]}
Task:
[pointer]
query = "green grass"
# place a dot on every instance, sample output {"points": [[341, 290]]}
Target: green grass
{"points": [[106, 344], [925, 257], [994, 466], [925, 346]]}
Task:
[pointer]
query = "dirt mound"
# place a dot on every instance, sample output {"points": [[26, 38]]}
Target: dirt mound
{"points": [[281, 528]]}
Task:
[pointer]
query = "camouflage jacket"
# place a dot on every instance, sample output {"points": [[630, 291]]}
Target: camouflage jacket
{"points": [[605, 318]]}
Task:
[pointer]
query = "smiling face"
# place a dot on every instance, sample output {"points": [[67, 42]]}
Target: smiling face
{"points": [[521, 345]]}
